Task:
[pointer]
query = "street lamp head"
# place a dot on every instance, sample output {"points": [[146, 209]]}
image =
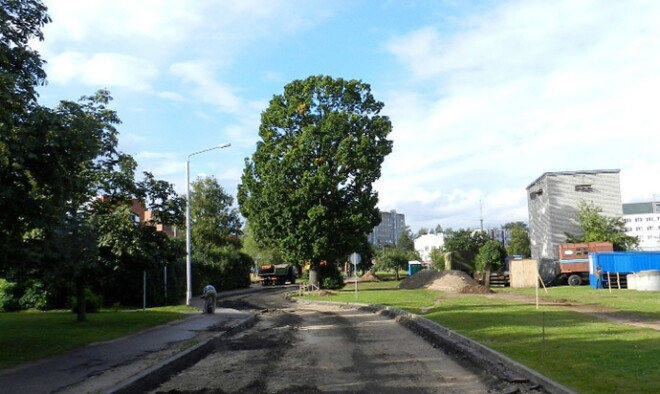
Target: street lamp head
{"points": [[224, 145]]}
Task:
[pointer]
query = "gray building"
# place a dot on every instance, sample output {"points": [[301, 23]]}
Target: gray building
{"points": [[389, 230], [553, 200]]}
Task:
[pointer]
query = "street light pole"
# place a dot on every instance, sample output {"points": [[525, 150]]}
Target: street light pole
{"points": [[188, 247]]}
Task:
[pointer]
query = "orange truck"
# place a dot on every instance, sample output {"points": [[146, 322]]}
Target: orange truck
{"points": [[574, 260]]}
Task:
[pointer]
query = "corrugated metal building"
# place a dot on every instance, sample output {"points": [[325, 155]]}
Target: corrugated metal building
{"points": [[553, 200]]}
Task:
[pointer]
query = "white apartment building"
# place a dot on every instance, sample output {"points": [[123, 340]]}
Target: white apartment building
{"points": [[643, 221], [426, 243]]}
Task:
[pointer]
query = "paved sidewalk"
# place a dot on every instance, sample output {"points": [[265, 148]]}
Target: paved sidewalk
{"points": [[115, 365]]}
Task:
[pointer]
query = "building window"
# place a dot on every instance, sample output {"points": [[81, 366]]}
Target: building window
{"points": [[638, 219], [626, 220], [649, 228], [638, 228], [583, 188], [649, 219]]}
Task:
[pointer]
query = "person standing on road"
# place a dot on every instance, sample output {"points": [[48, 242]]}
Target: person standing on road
{"points": [[209, 295]]}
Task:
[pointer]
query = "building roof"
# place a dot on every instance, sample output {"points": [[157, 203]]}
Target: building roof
{"points": [[637, 208], [613, 171]]}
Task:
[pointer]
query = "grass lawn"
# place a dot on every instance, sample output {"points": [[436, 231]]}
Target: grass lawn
{"points": [[642, 303], [580, 351], [27, 336]]}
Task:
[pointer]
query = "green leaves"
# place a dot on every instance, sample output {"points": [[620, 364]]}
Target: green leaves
{"points": [[599, 228], [307, 189]]}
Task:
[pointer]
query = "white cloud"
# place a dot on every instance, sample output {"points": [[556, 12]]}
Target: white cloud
{"points": [[526, 88], [102, 69]]}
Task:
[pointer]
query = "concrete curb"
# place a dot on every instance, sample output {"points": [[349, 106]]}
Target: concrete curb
{"points": [[152, 377], [477, 354]]}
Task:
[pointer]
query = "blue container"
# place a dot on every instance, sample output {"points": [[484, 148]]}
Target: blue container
{"points": [[622, 263]]}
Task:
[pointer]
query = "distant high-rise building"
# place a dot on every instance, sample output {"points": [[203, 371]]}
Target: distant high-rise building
{"points": [[389, 230]]}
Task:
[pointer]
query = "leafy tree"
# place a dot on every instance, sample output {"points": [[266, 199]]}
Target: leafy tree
{"points": [[20, 73], [308, 188], [422, 231], [438, 258], [438, 229], [391, 259], [216, 228], [465, 240], [406, 242], [490, 256], [511, 225], [520, 243], [599, 228], [258, 252]]}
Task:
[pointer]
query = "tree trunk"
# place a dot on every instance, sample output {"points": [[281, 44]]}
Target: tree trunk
{"points": [[487, 277], [396, 274], [313, 276], [82, 303]]}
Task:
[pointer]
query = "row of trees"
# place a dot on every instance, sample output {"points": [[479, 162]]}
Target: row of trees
{"points": [[57, 235]]}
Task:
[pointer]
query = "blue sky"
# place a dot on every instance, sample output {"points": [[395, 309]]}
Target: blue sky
{"points": [[484, 96]]}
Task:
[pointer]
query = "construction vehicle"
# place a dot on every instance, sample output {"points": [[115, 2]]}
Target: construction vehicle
{"points": [[276, 274], [574, 260]]}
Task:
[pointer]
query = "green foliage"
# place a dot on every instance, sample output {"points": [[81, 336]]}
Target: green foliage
{"points": [[259, 253], [406, 242], [391, 259], [490, 255], [332, 277], [599, 228], [93, 302], [511, 225], [35, 297], [465, 240], [438, 259], [308, 188], [8, 299], [520, 243], [216, 228]]}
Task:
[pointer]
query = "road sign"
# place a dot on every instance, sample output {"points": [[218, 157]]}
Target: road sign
{"points": [[354, 258]]}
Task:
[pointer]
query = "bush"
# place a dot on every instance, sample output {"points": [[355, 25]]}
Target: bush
{"points": [[35, 297], [330, 277], [93, 302], [8, 299]]}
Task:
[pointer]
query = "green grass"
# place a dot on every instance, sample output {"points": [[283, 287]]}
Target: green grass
{"points": [[642, 303], [580, 351], [383, 293], [27, 336]]}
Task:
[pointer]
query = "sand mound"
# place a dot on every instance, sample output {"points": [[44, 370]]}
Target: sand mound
{"points": [[448, 281], [423, 278], [369, 277]]}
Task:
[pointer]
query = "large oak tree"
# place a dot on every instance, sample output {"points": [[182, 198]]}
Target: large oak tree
{"points": [[308, 189]]}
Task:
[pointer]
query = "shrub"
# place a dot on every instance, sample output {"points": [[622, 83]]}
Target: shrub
{"points": [[8, 300], [330, 277], [35, 297], [93, 302]]}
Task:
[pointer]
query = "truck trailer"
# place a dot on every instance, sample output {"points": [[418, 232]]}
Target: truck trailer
{"points": [[574, 260], [276, 274]]}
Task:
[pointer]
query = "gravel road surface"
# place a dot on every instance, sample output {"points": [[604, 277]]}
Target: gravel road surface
{"points": [[301, 348]]}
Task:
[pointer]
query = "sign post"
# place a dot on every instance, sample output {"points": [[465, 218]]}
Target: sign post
{"points": [[355, 259]]}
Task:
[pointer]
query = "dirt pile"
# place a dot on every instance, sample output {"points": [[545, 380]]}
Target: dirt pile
{"points": [[448, 281], [369, 277], [421, 279]]}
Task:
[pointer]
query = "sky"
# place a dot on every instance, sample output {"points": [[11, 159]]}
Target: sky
{"points": [[484, 96]]}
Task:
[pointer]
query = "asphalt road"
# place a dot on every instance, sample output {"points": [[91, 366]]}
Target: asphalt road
{"points": [[301, 348]]}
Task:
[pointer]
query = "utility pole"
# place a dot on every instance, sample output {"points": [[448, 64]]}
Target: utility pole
{"points": [[481, 216]]}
